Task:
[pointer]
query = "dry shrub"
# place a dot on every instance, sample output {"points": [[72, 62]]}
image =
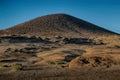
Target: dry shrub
{"points": [[17, 66]]}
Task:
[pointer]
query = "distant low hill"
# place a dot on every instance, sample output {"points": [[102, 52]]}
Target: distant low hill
{"points": [[56, 25]]}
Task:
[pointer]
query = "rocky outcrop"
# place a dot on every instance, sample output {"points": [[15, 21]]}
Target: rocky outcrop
{"points": [[20, 39]]}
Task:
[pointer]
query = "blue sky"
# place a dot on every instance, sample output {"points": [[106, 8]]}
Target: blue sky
{"points": [[104, 13]]}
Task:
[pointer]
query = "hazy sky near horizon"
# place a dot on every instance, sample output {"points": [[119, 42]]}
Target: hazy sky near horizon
{"points": [[104, 13]]}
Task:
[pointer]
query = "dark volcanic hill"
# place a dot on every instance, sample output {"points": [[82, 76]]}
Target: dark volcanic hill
{"points": [[56, 24]]}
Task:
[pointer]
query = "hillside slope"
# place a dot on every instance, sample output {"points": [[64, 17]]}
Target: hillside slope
{"points": [[57, 24]]}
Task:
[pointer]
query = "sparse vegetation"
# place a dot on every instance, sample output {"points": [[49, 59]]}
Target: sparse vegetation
{"points": [[63, 74], [4, 65], [17, 66], [105, 60], [56, 62]]}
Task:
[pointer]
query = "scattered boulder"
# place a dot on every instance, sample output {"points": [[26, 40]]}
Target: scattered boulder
{"points": [[117, 46], [58, 37], [29, 50], [9, 51], [68, 58]]}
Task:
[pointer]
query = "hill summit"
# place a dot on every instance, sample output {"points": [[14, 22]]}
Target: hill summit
{"points": [[57, 24]]}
